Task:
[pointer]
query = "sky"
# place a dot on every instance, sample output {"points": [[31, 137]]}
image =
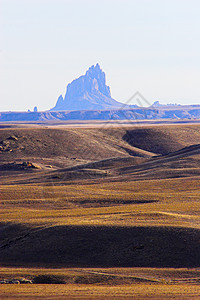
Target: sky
{"points": [[149, 46]]}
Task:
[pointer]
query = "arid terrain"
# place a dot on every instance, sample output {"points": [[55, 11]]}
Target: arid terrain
{"points": [[103, 209]]}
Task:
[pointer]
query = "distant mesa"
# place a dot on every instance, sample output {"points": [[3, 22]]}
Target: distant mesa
{"points": [[158, 104], [88, 92]]}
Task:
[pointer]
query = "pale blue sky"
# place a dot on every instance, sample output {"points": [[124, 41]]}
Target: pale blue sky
{"points": [[150, 46]]}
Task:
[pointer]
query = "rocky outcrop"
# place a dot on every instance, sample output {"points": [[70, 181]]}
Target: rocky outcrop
{"points": [[16, 281], [88, 92]]}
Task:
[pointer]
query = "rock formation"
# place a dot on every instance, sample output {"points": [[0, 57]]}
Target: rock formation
{"points": [[88, 92]]}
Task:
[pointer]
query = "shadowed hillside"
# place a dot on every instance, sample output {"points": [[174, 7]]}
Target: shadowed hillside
{"points": [[162, 140], [182, 163], [83, 246]]}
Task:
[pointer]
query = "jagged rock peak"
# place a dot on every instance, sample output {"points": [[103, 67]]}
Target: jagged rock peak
{"points": [[87, 92], [94, 71]]}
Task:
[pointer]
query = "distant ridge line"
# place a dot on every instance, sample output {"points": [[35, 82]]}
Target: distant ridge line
{"points": [[177, 113]]}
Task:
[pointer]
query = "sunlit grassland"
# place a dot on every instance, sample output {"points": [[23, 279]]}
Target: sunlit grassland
{"points": [[136, 291], [169, 202]]}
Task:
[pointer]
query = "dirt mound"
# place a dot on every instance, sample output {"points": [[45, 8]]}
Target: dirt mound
{"points": [[83, 246]]}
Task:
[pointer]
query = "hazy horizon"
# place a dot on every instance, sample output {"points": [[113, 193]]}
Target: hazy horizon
{"points": [[141, 45]]}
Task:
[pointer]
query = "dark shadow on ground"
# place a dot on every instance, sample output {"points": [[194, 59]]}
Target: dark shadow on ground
{"points": [[85, 246]]}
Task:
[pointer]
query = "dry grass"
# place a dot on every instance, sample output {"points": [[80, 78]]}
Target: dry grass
{"points": [[137, 291], [172, 202]]}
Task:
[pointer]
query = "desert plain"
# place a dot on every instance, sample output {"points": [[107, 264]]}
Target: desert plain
{"points": [[100, 210]]}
